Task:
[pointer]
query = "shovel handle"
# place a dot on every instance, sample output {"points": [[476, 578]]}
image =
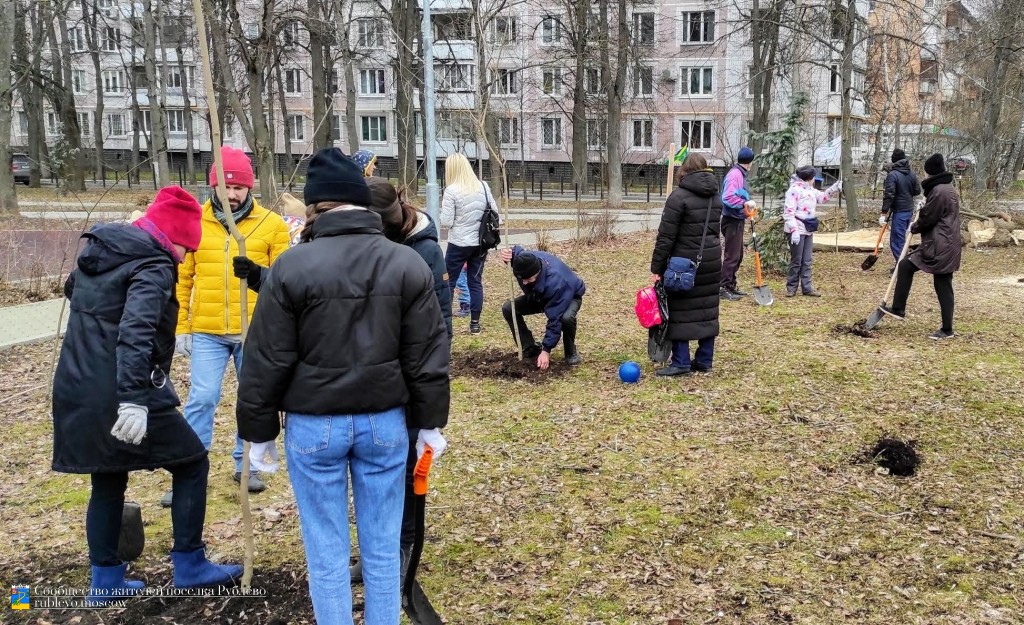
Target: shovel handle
{"points": [[422, 472], [881, 233], [757, 268]]}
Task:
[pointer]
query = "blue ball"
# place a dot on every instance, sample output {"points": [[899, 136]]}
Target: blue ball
{"points": [[629, 372]]}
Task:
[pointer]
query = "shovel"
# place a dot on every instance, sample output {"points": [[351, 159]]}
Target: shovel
{"points": [[414, 601], [132, 538], [876, 317], [762, 294], [872, 258]]}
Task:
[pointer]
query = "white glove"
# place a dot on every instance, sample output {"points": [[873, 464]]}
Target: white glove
{"points": [[795, 238], [432, 438], [836, 186], [183, 345], [882, 219], [131, 423], [263, 457]]}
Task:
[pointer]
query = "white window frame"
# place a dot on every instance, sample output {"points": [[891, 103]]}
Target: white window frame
{"points": [[833, 129], [110, 43], [551, 30], [638, 82], [590, 75], [290, 34], [372, 82], [686, 17], [53, 125], [508, 127], [637, 30], [504, 82], [336, 126], [507, 34], [373, 128], [835, 80], [296, 128], [706, 131], [556, 81], [463, 72], [645, 126], [293, 81], [370, 33], [175, 119], [107, 8], [597, 133], [84, 124], [556, 133], [686, 74], [78, 80], [113, 78], [120, 126], [76, 39], [456, 22]]}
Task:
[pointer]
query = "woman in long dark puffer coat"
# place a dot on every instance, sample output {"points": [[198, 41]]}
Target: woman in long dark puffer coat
{"points": [[114, 406], [693, 314]]}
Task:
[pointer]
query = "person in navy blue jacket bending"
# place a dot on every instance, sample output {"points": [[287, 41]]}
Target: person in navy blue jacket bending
{"points": [[549, 287]]}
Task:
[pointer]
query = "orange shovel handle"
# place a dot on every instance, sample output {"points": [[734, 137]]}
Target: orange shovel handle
{"points": [[422, 471], [757, 269], [881, 233]]}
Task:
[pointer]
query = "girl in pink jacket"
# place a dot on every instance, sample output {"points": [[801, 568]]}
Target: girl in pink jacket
{"points": [[801, 221]]}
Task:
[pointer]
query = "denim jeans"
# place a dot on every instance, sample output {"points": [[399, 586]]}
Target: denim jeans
{"points": [[321, 451], [210, 355], [463, 285], [455, 258], [898, 225], [702, 359]]}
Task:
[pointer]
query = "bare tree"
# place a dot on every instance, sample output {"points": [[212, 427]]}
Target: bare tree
{"points": [[63, 100], [157, 144], [8, 196]]}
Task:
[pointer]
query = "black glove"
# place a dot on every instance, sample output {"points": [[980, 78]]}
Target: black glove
{"points": [[247, 270]]}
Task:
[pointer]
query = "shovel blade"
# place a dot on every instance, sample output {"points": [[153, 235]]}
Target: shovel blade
{"points": [[869, 262], [132, 539], [763, 296], [874, 318], [418, 608]]}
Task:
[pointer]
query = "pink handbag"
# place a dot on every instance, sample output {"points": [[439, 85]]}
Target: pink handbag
{"points": [[648, 312]]}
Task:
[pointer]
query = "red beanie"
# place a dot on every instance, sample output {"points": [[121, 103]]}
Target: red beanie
{"points": [[237, 168], [178, 216]]}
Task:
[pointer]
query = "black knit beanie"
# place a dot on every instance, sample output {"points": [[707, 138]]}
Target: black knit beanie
{"points": [[898, 155], [935, 165], [333, 177], [526, 265], [806, 172]]}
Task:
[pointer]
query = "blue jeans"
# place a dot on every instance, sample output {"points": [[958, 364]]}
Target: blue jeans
{"points": [[210, 355], [701, 360], [454, 259], [321, 450], [898, 224], [463, 287]]}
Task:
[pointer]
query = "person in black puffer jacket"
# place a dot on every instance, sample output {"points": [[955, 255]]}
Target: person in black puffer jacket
{"points": [[348, 339], [901, 187], [693, 314], [115, 409]]}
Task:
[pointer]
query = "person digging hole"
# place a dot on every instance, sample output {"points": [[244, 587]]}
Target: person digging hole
{"points": [[549, 287]]}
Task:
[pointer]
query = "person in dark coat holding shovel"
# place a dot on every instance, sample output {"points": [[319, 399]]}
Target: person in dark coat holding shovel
{"points": [[941, 244], [693, 314], [114, 404]]}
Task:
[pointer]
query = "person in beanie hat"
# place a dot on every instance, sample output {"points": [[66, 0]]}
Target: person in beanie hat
{"points": [[800, 218], [114, 403], [210, 321], [349, 341], [901, 187], [737, 207], [367, 162], [549, 287], [941, 244]]}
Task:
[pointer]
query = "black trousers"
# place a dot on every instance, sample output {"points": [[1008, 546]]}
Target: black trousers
{"points": [[943, 283], [526, 306], [188, 510], [732, 248]]}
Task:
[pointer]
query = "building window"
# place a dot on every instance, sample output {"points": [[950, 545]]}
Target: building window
{"points": [[696, 135], [370, 33], [453, 77], [332, 82], [335, 127], [698, 26], [52, 125], [551, 29], [290, 34], [111, 40], [698, 81], [455, 126], [643, 28], [551, 82], [643, 133], [115, 124], [505, 82], [112, 80], [296, 128], [293, 81], [176, 121], [551, 132], [23, 122], [84, 125], [835, 129], [835, 82], [177, 80], [508, 130], [643, 81], [107, 8], [594, 82], [597, 133], [504, 30], [453, 27], [375, 129], [76, 38], [371, 82], [78, 81]]}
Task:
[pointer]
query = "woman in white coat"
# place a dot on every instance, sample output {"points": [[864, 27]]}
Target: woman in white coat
{"points": [[462, 209]]}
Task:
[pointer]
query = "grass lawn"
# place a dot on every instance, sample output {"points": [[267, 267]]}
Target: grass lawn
{"points": [[738, 497]]}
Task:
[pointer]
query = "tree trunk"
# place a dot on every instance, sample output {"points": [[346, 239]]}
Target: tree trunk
{"points": [[403, 20], [993, 104], [8, 196], [63, 101], [319, 71], [89, 17], [764, 24], [846, 158], [616, 93], [186, 86], [157, 145], [31, 92], [579, 96], [282, 102]]}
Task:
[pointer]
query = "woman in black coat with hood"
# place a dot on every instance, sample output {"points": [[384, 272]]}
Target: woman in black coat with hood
{"points": [[692, 217]]}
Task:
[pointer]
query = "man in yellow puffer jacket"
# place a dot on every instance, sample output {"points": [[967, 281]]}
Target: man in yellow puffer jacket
{"points": [[210, 322]]}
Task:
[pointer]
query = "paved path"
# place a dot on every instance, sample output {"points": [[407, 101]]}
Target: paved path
{"points": [[39, 321]]}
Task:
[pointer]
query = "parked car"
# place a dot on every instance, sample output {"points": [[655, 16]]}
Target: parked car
{"points": [[20, 166]]}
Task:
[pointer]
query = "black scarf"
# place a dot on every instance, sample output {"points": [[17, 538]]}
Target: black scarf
{"points": [[931, 182], [241, 213]]}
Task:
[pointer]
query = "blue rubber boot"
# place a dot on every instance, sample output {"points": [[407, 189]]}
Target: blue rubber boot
{"points": [[193, 570], [108, 583]]}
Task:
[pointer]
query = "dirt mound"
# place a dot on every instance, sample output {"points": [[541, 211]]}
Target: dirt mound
{"points": [[856, 329], [899, 457], [504, 365]]}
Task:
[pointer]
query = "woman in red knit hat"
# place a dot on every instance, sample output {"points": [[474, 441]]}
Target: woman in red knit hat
{"points": [[115, 409]]}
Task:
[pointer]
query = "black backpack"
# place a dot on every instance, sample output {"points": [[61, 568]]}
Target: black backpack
{"points": [[490, 227]]}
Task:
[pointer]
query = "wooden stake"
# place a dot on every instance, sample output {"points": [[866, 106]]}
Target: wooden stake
{"points": [[222, 194], [671, 169]]}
